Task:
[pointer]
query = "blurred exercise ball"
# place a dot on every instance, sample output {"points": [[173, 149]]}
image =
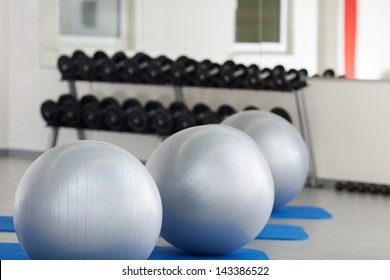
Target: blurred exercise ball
{"points": [[87, 200], [283, 147], [216, 189]]}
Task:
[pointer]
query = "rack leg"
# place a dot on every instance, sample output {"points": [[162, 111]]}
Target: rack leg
{"points": [[178, 93], [72, 89], [313, 180], [54, 136]]}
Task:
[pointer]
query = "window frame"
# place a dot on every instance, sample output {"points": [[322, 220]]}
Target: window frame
{"points": [[269, 47]]}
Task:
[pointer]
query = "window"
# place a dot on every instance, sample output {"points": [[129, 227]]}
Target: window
{"points": [[261, 25], [91, 22]]}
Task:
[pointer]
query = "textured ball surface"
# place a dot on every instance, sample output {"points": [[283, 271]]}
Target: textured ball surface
{"points": [[87, 200], [283, 147], [216, 189]]}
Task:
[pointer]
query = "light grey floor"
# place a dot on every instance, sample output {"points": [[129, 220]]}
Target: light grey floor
{"points": [[359, 230]]}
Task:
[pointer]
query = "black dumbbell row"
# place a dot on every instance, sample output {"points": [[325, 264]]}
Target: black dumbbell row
{"points": [[131, 116], [360, 187], [329, 74], [184, 71], [108, 114]]}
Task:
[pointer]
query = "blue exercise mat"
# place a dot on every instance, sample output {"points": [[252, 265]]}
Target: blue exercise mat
{"points": [[13, 251], [171, 253], [301, 212], [6, 223], [282, 232]]}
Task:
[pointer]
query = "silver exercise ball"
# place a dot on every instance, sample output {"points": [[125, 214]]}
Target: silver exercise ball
{"points": [[283, 147], [216, 189], [87, 200]]}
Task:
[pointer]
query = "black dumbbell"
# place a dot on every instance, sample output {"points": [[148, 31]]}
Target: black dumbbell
{"points": [[340, 185], [251, 81], [204, 115], [262, 79], [286, 80], [207, 74], [352, 186], [385, 190], [362, 187], [233, 76], [119, 60], [158, 71], [66, 67], [183, 71], [282, 113], [160, 119], [134, 68], [85, 68], [50, 113], [70, 112], [113, 116], [303, 76], [91, 113], [136, 119], [225, 111], [105, 68], [374, 188], [182, 116], [329, 73]]}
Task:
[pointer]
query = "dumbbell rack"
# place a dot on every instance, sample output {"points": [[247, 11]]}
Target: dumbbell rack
{"points": [[178, 92]]}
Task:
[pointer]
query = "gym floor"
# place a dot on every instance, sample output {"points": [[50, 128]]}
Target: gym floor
{"points": [[359, 230]]}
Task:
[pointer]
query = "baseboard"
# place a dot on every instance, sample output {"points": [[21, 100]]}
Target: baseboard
{"points": [[20, 153]]}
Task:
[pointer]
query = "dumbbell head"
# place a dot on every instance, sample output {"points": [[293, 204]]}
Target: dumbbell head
{"points": [[385, 189], [77, 54], [106, 70], [340, 185], [282, 113], [118, 57], [160, 120], [158, 71], [182, 117], [108, 101], [70, 114], [88, 98], [50, 112], [91, 114], [207, 74], [66, 67], [134, 69], [205, 115], [225, 111], [98, 55], [183, 71], [136, 120], [84, 67], [329, 73], [113, 116]]}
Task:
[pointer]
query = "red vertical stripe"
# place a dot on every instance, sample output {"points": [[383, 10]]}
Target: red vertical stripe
{"points": [[349, 37]]}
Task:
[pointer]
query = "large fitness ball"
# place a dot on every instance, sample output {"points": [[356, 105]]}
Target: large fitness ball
{"points": [[87, 200], [283, 147], [216, 189]]}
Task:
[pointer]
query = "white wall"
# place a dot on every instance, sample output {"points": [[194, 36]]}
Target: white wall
{"points": [[373, 42], [201, 29], [3, 74]]}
